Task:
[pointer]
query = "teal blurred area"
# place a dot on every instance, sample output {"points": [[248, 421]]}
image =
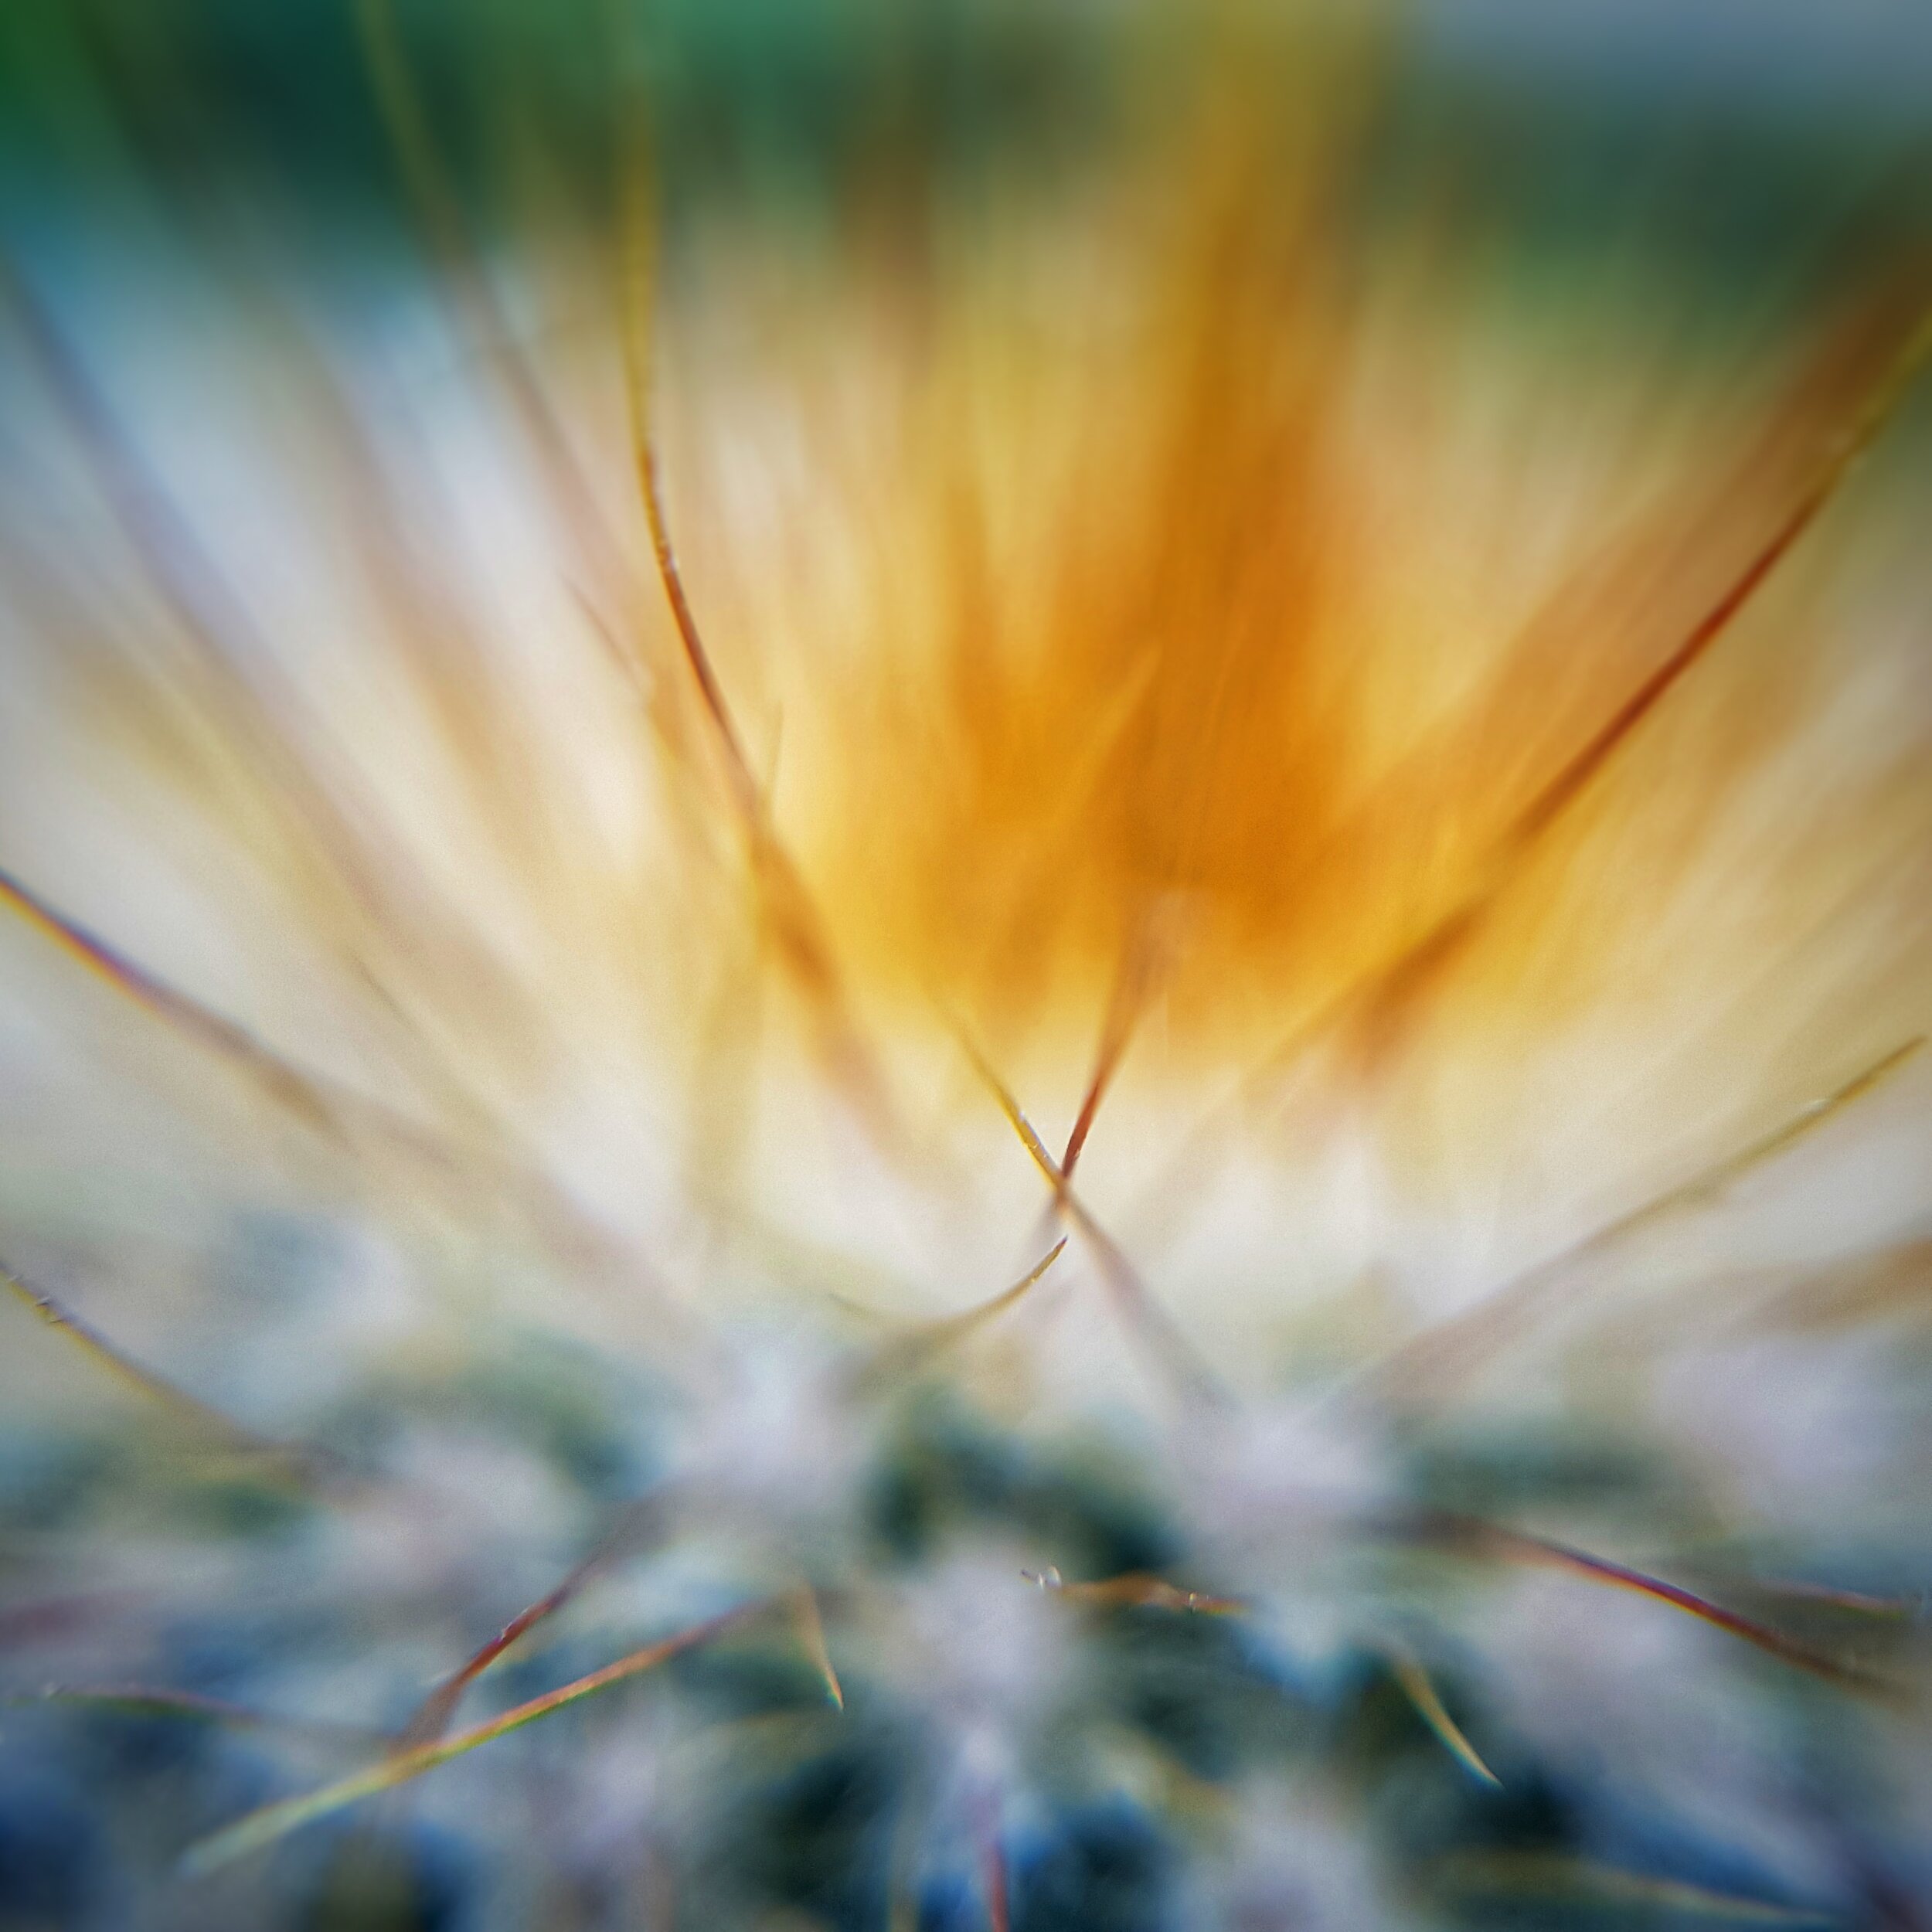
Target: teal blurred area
{"points": [[1722, 134]]}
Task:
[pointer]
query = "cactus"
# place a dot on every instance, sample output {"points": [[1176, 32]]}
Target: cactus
{"points": [[961, 971]]}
